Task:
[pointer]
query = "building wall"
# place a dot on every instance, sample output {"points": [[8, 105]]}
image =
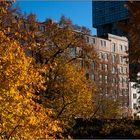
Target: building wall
{"points": [[134, 100], [112, 74], [106, 15]]}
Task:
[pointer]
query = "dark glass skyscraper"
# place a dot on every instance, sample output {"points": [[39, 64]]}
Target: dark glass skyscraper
{"points": [[106, 15]]}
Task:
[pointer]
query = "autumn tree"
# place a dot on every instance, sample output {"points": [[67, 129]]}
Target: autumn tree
{"points": [[132, 29], [21, 117], [20, 77], [106, 108], [23, 28], [69, 88], [65, 22], [107, 105], [51, 49], [68, 91], [85, 30]]}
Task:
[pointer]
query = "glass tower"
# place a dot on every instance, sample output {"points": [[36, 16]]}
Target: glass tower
{"points": [[106, 15]]}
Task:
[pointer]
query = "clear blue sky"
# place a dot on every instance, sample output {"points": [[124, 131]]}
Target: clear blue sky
{"points": [[79, 11]]}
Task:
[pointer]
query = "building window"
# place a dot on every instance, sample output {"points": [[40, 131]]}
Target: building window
{"points": [[113, 58], [93, 39], [101, 78], [113, 47], [134, 86], [93, 65], [121, 48], [121, 69], [125, 47], [101, 41], [121, 59], [105, 43], [122, 80], [115, 94], [114, 80], [106, 56], [101, 66], [125, 70], [106, 79], [134, 96], [125, 60], [93, 77], [106, 67], [121, 92], [113, 70], [126, 92], [101, 55], [134, 106]]}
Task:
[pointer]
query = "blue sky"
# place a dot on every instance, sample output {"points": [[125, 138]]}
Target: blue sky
{"points": [[79, 11]]}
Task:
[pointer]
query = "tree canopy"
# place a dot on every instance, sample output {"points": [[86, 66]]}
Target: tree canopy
{"points": [[132, 29], [21, 78]]}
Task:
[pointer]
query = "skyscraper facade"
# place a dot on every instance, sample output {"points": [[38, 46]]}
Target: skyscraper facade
{"points": [[106, 15]]}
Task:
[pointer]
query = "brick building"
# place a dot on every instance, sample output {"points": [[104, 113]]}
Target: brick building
{"points": [[112, 74]]}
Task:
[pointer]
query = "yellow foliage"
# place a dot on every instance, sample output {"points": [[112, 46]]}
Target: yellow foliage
{"points": [[71, 92], [20, 78]]}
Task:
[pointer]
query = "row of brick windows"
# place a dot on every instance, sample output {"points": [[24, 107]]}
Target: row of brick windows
{"points": [[122, 48], [122, 80], [114, 58], [105, 67], [105, 78], [92, 40], [122, 70], [123, 92], [104, 56], [115, 93], [123, 59], [103, 43]]}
